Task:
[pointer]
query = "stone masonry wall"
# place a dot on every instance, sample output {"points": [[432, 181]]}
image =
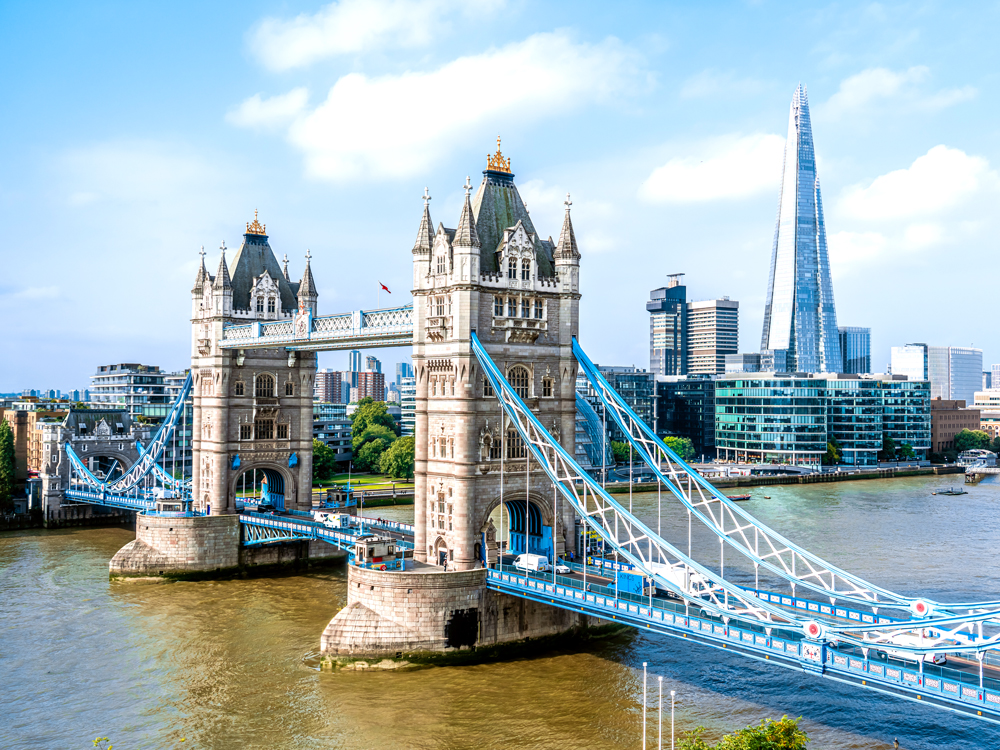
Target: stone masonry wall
{"points": [[390, 613], [165, 545]]}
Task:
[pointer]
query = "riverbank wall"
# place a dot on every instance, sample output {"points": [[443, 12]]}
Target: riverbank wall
{"points": [[765, 481]]}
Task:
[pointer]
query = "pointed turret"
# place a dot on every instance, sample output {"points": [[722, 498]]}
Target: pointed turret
{"points": [[284, 268], [425, 234], [202, 276], [222, 280], [567, 249], [307, 288], [466, 235]]}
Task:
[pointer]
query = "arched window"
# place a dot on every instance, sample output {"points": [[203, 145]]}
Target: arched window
{"points": [[487, 387], [518, 378], [263, 386], [547, 387], [525, 308], [260, 304], [238, 388], [270, 304], [515, 446], [440, 264], [539, 308], [511, 307], [512, 268], [525, 270], [498, 306], [289, 388]]}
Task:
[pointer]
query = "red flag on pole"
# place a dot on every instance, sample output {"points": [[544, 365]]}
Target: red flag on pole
{"points": [[384, 287]]}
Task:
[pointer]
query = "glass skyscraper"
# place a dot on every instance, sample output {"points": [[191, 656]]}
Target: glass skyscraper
{"points": [[856, 349], [799, 315], [668, 317]]}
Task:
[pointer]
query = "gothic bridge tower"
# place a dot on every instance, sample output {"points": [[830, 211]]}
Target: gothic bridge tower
{"points": [[520, 293], [252, 408]]}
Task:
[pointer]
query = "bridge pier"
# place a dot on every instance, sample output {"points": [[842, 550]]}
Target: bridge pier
{"points": [[171, 547], [425, 615]]}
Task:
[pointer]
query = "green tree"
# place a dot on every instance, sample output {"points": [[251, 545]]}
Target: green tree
{"points": [[888, 452], [367, 459], [906, 452], [621, 451], [324, 461], [833, 452], [682, 446], [972, 439], [374, 432], [397, 460], [769, 735], [369, 414], [8, 466]]}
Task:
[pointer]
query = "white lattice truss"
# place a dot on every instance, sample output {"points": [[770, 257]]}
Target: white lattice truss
{"points": [[386, 327]]}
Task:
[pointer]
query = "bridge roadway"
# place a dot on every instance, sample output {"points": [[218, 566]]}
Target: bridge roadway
{"points": [[958, 687]]}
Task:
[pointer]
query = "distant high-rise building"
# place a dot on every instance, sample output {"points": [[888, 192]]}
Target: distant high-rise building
{"points": [[799, 314], [856, 349], [712, 333], [668, 313], [328, 386], [955, 372], [995, 375], [408, 404], [372, 364], [139, 389], [403, 370], [371, 384], [987, 380], [354, 360]]}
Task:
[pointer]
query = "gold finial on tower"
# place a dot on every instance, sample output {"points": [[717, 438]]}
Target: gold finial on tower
{"points": [[256, 227], [496, 162]]}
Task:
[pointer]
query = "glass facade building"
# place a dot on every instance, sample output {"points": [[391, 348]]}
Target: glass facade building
{"points": [[856, 349], [590, 440], [685, 407], [637, 388], [668, 314], [138, 389], [408, 404], [775, 418], [799, 312], [955, 372]]}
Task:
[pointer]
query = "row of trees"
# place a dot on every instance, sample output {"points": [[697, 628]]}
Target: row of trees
{"points": [[377, 445], [683, 447]]}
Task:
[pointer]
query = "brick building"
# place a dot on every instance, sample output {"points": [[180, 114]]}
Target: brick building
{"points": [[948, 418]]}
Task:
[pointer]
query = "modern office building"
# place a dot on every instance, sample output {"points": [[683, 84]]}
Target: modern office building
{"points": [[799, 312], [987, 380], [637, 387], [685, 407], [332, 428], [712, 334], [668, 312], [403, 370], [354, 360], [177, 455], [328, 386], [593, 447], [994, 375], [372, 364], [784, 418], [955, 372], [408, 404], [948, 418], [138, 389], [856, 349]]}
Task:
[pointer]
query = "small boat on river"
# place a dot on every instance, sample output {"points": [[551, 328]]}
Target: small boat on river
{"points": [[951, 491], [739, 498]]}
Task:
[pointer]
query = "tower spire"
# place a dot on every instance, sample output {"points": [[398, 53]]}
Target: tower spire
{"points": [[222, 279], [567, 237], [466, 235], [307, 287], [284, 266], [202, 275], [425, 234], [799, 313]]}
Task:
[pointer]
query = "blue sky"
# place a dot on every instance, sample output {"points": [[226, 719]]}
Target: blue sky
{"points": [[133, 134]]}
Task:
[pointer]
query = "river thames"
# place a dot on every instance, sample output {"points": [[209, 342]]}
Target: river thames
{"points": [[234, 664]]}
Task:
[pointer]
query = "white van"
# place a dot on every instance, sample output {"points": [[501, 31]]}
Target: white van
{"points": [[905, 639], [537, 563], [332, 520]]}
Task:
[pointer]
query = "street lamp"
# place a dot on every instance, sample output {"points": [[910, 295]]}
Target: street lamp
{"points": [[673, 693], [644, 706], [659, 720]]}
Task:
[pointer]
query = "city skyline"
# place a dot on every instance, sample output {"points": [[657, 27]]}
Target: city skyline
{"points": [[657, 119]]}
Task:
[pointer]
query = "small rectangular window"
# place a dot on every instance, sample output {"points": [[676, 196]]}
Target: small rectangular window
{"points": [[238, 388], [487, 387], [498, 307], [263, 429], [282, 432], [525, 308], [270, 304], [289, 388], [511, 307], [539, 308], [546, 386]]}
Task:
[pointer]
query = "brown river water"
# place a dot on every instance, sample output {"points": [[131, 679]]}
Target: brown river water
{"points": [[234, 664]]}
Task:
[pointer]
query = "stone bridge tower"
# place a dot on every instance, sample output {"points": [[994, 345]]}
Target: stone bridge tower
{"points": [[495, 275], [252, 408]]}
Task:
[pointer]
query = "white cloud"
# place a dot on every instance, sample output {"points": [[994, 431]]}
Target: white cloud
{"points": [[848, 250], [721, 168], [399, 125], [876, 86], [935, 182], [353, 26], [277, 111]]}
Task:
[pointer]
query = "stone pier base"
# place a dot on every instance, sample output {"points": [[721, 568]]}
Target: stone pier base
{"points": [[396, 618], [179, 547]]}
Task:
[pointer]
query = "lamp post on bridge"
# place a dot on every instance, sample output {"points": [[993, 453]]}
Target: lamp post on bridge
{"points": [[673, 693], [644, 706], [659, 718]]}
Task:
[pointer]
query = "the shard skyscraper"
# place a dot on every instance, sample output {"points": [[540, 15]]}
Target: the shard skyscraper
{"points": [[800, 316]]}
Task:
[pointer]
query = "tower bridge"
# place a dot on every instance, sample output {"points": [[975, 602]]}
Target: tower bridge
{"points": [[494, 327]]}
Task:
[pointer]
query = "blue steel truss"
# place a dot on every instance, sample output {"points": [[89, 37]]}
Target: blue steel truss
{"points": [[360, 329], [819, 632], [739, 530]]}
